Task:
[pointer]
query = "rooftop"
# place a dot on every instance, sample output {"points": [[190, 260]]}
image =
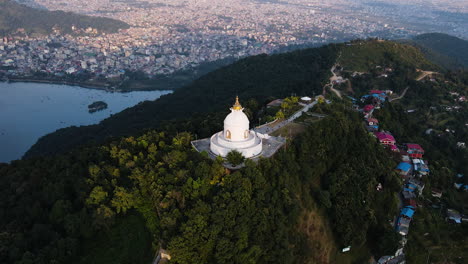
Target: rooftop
{"points": [[384, 136], [414, 146], [404, 166]]}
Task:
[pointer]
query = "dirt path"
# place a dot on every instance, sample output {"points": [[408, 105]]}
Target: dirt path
{"points": [[424, 74], [333, 78], [401, 96]]}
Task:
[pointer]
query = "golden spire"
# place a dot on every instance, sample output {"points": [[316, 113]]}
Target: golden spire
{"points": [[237, 105]]}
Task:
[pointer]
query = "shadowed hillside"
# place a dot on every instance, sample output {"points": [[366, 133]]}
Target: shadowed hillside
{"points": [[14, 16], [448, 51]]}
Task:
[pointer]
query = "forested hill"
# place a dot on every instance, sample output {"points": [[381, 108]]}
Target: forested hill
{"points": [[303, 72], [119, 202], [448, 51], [14, 16]]}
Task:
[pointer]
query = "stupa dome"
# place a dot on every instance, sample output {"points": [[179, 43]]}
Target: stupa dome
{"points": [[236, 135], [236, 124]]}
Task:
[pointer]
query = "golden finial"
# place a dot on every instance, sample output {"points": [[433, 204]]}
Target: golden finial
{"points": [[237, 105]]}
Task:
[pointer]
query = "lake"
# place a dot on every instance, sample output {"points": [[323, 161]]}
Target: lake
{"points": [[31, 110]]}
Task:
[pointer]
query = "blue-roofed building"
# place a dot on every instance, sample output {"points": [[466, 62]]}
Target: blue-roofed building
{"points": [[380, 97], [454, 216], [403, 168], [411, 186], [420, 167], [407, 212]]}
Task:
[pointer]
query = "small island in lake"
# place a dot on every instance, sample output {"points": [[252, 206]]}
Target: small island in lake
{"points": [[97, 106]]}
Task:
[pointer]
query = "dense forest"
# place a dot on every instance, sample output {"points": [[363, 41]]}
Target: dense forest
{"points": [[82, 206], [14, 16]]}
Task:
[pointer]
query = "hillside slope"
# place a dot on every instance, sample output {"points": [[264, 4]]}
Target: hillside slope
{"points": [[14, 16], [366, 56], [303, 72], [448, 51]]}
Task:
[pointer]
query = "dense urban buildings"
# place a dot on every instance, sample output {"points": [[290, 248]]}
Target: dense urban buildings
{"points": [[166, 36]]}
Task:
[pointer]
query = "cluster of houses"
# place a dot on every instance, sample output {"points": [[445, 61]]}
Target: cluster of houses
{"points": [[412, 166], [374, 100]]}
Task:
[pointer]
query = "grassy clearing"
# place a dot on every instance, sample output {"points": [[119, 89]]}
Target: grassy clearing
{"points": [[319, 236], [290, 130]]}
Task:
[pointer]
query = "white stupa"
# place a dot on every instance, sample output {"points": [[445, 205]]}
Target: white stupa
{"points": [[236, 135]]}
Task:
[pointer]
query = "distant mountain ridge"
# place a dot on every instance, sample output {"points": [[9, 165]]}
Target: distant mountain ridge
{"points": [[15, 17], [448, 51]]}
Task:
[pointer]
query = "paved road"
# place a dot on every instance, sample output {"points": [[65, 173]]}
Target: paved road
{"points": [[268, 129]]}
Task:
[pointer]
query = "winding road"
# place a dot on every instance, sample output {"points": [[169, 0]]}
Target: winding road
{"points": [[333, 78]]}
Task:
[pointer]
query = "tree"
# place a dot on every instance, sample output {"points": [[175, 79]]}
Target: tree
{"points": [[122, 200], [235, 157], [279, 115], [97, 196]]}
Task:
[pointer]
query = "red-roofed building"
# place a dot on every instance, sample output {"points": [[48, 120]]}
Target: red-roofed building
{"points": [[415, 151], [394, 148], [385, 138], [368, 108], [376, 92], [410, 203]]}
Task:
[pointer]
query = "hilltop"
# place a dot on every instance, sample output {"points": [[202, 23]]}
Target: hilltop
{"points": [[365, 56], [15, 17], [260, 77]]}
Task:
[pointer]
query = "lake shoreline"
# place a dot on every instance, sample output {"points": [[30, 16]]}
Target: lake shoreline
{"points": [[31, 110], [60, 82], [86, 85]]}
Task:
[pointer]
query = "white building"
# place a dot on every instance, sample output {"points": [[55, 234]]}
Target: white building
{"points": [[236, 135]]}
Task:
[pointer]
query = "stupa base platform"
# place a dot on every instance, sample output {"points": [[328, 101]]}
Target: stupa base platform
{"points": [[270, 146]]}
